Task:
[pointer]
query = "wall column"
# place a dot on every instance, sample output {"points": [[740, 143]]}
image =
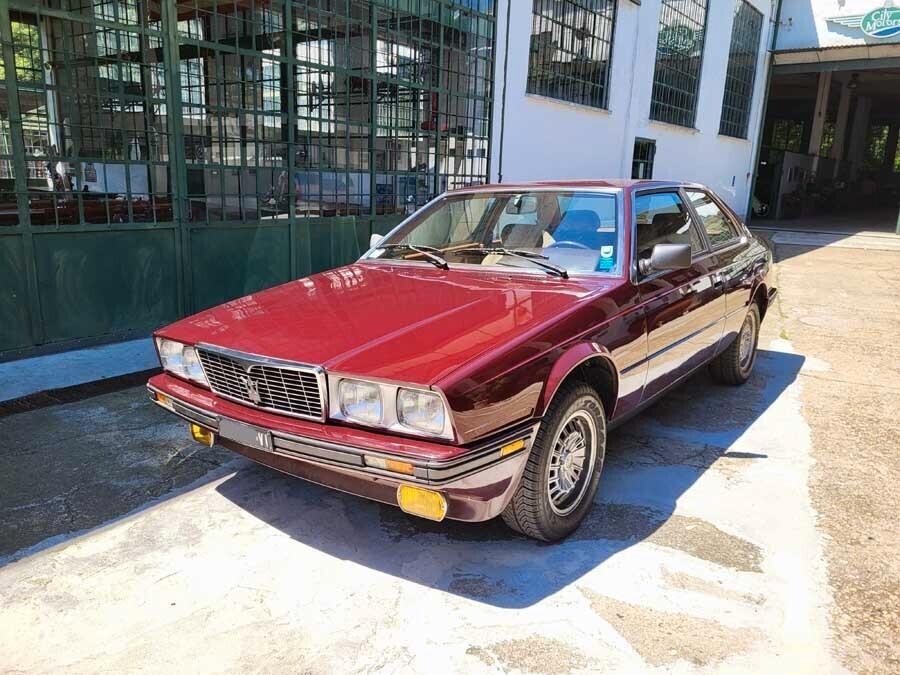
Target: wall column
{"points": [[858, 133], [840, 127], [818, 121]]}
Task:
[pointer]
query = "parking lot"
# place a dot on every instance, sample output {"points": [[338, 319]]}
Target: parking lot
{"points": [[736, 529]]}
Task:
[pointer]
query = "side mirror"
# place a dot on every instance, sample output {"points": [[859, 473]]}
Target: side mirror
{"points": [[375, 239], [666, 257]]}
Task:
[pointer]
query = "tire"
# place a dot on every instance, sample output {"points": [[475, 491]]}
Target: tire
{"points": [[576, 411], [735, 364]]}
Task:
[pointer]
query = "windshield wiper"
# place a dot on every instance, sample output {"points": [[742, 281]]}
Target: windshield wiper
{"points": [[429, 252], [537, 258]]}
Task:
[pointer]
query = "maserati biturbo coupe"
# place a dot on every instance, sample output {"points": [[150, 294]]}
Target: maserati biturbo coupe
{"points": [[472, 362]]}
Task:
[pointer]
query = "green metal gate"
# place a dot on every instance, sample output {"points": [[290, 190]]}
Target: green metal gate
{"points": [[157, 158]]}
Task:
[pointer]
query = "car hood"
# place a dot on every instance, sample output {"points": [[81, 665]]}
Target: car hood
{"points": [[408, 323]]}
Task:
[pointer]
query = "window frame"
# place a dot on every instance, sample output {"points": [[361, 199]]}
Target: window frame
{"points": [[729, 76], [735, 226], [537, 17], [634, 273]]}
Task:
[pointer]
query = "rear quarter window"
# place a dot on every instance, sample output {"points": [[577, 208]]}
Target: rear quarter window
{"points": [[719, 228]]}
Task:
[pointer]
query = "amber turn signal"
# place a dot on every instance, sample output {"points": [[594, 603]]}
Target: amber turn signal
{"points": [[389, 465], [163, 400], [421, 502], [510, 448], [202, 435]]}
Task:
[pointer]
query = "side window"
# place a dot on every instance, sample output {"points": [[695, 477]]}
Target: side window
{"points": [[662, 218], [718, 226]]}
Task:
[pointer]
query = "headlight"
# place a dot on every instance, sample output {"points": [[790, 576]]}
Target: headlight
{"points": [[390, 406], [180, 360], [361, 401], [420, 410]]}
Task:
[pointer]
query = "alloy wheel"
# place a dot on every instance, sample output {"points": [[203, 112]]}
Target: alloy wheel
{"points": [[747, 343], [574, 451]]}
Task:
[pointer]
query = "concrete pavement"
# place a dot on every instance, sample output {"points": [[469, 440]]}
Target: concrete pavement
{"points": [[736, 530], [702, 552]]}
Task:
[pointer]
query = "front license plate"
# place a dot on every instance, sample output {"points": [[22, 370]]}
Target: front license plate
{"points": [[245, 434]]}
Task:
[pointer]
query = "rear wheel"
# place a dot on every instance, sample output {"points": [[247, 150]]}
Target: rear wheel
{"points": [[734, 365], [560, 479]]}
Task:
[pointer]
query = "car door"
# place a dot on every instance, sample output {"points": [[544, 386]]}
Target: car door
{"points": [[684, 308], [732, 255]]}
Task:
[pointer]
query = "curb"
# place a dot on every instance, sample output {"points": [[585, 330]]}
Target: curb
{"points": [[76, 392]]}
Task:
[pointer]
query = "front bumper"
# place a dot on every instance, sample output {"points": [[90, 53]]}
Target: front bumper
{"points": [[476, 481]]}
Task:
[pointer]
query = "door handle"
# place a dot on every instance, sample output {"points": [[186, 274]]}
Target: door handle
{"points": [[718, 279]]}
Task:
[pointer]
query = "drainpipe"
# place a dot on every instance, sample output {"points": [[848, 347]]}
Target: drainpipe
{"points": [[503, 96], [762, 116]]}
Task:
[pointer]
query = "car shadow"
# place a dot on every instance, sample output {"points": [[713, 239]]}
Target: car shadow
{"points": [[652, 460]]}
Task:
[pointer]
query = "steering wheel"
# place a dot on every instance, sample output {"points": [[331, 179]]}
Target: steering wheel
{"points": [[569, 244]]}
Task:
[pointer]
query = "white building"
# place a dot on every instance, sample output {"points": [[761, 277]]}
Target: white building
{"points": [[600, 89]]}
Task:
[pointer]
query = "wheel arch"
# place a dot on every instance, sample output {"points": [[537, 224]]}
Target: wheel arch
{"points": [[587, 362], [761, 298]]}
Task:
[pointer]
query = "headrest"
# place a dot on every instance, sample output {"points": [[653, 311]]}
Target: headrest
{"points": [[581, 220], [522, 235], [669, 220]]}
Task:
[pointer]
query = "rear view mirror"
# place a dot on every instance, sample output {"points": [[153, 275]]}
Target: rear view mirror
{"points": [[520, 204], [375, 239], [666, 257]]}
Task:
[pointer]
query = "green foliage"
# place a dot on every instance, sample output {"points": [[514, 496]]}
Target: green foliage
{"points": [[876, 147], [26, 44]]}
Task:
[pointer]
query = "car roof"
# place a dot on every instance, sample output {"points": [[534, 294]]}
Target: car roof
{"points": [[577, 184]]}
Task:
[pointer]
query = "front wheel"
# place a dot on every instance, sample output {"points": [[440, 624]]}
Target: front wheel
{"points": [[734, 365], [560, 479]]}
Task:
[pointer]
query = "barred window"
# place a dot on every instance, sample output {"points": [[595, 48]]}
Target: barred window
{"points": [[741, 74], [642, 159], [679, 58], [571, 50]]}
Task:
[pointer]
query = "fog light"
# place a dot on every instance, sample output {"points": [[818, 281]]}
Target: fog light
{"points": [[163, 400], [389, 465], [421, 502], [510, 448], [202, 435]]}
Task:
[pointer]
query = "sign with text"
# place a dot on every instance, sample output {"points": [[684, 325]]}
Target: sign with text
{"points": [[880, 23]]}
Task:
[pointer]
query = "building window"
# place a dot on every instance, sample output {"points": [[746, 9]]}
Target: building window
{"points": [[679, 57], [571, 50], [642, 159], [741, 74], [788, 135], [876, 147]]}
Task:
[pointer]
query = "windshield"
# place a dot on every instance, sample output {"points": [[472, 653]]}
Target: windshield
{"points": [[575, 231]]}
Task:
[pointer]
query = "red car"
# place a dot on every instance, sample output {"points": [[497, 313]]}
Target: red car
{"points": [[473, 361]]}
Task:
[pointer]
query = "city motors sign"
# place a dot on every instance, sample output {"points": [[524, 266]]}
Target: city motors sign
{"points": [[880, 23]]}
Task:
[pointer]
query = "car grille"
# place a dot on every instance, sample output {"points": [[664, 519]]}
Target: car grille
{"points": [[293, 390]]}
